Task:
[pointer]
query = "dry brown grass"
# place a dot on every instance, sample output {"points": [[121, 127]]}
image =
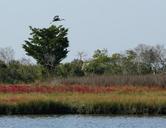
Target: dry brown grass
{"points": [[137, 80]]}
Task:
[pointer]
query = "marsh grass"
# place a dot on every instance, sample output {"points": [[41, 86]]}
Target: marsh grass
{"points": [[117, 102], [120, 80]]}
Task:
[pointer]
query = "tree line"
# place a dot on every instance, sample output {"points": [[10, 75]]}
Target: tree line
{"points": [[49, 46], [141, 60]]}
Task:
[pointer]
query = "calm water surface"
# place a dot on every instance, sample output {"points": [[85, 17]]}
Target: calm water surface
{"points": [[81, 122]]}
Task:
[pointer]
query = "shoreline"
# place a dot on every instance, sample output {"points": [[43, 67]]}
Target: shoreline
{"points": [[10, 111]]}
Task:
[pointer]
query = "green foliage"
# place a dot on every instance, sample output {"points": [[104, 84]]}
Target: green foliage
{"points": [[95, 68], [63, 70], [116, 64], [15, 72], [70, 69], [3, 71], [99, 63], [139, 61], [48, 46], [76, 68], [101, 56]]}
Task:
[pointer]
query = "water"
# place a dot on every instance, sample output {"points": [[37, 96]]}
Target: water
{"points": [[81, 122]]}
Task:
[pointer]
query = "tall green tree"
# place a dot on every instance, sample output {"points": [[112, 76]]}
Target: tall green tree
{"points": [[48, 46]]}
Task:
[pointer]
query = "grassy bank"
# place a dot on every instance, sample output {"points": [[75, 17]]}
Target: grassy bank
{"points": [[121, 100]]}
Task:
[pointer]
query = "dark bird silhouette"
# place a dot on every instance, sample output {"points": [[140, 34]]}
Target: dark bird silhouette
{"points": [[57, 18]]}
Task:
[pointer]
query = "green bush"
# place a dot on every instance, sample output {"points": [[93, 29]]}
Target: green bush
{"points": [[15, 72]]}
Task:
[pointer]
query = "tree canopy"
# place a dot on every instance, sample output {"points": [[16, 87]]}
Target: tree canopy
{"points": [[48, 46]]}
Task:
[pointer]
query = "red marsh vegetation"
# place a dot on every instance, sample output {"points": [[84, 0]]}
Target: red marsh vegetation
{"points": [[23, 88]]}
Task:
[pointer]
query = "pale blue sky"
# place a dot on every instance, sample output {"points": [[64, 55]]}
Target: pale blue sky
{"points": [[113, 24]]}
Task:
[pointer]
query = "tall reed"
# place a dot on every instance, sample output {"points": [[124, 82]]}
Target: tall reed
{"points": [[137, 80]]}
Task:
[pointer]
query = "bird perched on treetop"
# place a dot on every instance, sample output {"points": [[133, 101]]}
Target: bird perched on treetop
{"points": [[57, 18]]}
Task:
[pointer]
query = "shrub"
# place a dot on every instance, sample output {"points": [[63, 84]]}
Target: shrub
{"points": [[15, 72]]}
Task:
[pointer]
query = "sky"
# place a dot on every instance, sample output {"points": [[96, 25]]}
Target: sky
{"points": [[117, 25]]}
